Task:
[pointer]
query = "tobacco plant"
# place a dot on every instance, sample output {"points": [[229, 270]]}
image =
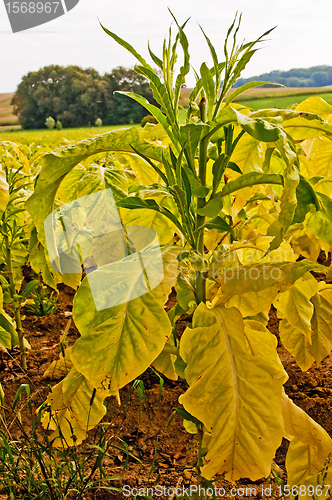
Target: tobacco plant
{"points": [[14, 254], [230, 198]]}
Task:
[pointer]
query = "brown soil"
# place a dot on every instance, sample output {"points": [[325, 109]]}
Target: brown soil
{"points": [[167, 452]]}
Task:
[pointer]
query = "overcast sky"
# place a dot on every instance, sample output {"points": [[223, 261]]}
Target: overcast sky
{"points": [[303, 36]]}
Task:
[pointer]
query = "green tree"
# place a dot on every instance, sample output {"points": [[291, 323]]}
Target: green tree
{"points": [[76, 96], [121, 109]]}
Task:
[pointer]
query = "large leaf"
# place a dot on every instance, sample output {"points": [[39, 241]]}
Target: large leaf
{"points": [[303, 461], [321, 321], [56, 165], [40, 263], [249, 154], [190, 136], [134, 202], [296, 342], [234, 391], [306, 199], [316, 105], [301, 128], [252, 303], [164, 363], [118, 343], [256, 277], [74, 407], [261, 129], [82, 181], [299, 459], [149, 218], [320, 221], [295, 305], [250, 179]]}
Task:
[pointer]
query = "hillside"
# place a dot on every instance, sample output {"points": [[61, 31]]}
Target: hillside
{"points": [[315, 76], [6, 110]]}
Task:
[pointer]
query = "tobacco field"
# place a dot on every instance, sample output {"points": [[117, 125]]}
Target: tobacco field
{"points": [[166, 296]]}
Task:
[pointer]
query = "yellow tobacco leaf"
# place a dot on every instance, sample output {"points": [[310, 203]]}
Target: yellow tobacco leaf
{"points": [[294, 304], [236, 394]]}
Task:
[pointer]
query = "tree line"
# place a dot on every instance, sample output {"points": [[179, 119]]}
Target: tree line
{"points": [[315, 76], [77, 97]]}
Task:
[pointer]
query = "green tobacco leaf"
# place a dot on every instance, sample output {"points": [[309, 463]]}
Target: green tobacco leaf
{"points": [[250, 179], [230, 391], [306, 199], [126, 45], [215, 71], [208, 85], [199, 85], [161, 96], [321, 337], [29, 288], [56, 165], [185, 68], [220, 224], [153, 110], [294, 304], [218, 170], [196, 187], [260, 129], [119, 343], [184, 293], [212, 208], [190, 136], [74, 407], [245, 87], [225, 116], [233, 166]]}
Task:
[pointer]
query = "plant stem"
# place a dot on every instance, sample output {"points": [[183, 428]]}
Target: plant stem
{"points": [[201, 202]]}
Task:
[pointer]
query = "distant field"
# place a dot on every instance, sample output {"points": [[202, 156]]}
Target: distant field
{"points": [[6, 110], [277, 97], [269, 92], [281, 102], [259, 98], [57, 137]]}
